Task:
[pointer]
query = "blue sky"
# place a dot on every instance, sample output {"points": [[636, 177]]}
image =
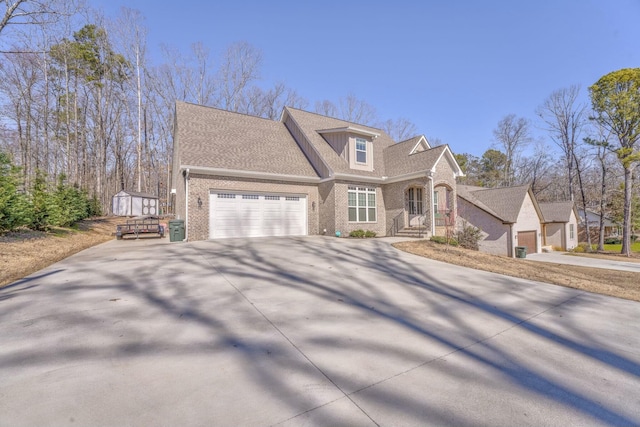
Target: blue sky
{"points": [[454, 68]]}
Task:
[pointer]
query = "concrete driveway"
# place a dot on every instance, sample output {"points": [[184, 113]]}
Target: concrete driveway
{"points": [[583, 261], [307, 331]]}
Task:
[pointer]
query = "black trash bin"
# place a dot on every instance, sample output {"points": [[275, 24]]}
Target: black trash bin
{"points": [[176, 230], [521, 251]]}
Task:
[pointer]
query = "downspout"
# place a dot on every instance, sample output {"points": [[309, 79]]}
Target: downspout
{"points": [[431, 208], [511, 237], [186, 207]]}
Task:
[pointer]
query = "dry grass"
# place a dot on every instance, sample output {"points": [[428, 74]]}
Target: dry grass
{"points": [[622, 284], [25, 252]]}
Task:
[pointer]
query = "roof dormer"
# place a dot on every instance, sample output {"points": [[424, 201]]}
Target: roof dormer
{"points": [[353, 144]]}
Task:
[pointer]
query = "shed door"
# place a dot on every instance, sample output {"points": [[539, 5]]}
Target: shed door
{"points": [[256, 215], [528, 239]]}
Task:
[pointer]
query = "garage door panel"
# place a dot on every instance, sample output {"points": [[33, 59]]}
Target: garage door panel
{"points": [[255, 215], [528, 240]]}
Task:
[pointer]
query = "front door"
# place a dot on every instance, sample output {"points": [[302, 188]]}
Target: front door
{"points": [[415, 207]]}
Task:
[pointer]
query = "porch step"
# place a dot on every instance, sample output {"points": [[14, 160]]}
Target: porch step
{"points": [[415, 232]]}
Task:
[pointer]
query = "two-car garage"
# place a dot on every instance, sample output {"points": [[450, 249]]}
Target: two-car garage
{"points": [[247, 214]]}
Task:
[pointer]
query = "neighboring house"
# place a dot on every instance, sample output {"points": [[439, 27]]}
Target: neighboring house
{"points": [[611, 228], [236, 175], [508, 217], [131, 203], [560, 225]]}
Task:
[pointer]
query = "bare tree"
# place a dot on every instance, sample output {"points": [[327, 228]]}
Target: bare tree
{"points": [[511, 135], [356, 110], [600, 143], [326, 108], [132, 37], [202, 82], [269, 104], [399, 129], [33, 13], [240, 67], [534, 170], [564, 118], [349, 108]]}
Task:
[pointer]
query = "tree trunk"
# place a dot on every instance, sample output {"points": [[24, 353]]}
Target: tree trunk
{"points": [[603, 191], [584, 201], [626, 230]]}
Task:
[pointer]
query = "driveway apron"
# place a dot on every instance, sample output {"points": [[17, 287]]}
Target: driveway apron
{"points": [[307, 331]]}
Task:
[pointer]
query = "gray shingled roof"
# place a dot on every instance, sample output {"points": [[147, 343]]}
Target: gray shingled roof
{"points": [[311, 123], [398, 161], [210, 137], [413, 139], [503, 203], [556, 211]]}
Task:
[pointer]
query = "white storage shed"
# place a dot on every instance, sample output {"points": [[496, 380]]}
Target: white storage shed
{"points": [[131, 203]]}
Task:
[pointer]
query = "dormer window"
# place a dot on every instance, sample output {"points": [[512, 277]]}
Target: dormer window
{"points": [[361, 150]]}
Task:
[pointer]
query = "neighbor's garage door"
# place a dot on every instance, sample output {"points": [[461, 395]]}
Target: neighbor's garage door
{"points": [[528, 239], [255, 214]]}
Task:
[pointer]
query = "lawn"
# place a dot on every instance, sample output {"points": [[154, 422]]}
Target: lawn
{"points": [[635, 247]]}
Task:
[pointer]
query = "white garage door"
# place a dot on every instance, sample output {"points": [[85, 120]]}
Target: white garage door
{"points": [[255, 214]]}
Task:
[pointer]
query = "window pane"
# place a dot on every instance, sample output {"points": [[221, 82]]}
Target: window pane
{"points": [[362, 214], [352, 199], [361, 151], [372, 214], [352, 214], [372, 200], [362, 199]]}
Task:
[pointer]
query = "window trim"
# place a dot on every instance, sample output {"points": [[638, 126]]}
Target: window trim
{"points": [[359, 150], [370, 205]]}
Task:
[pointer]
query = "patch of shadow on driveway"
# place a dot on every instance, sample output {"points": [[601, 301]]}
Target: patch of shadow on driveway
{"points": [[355, 318]]}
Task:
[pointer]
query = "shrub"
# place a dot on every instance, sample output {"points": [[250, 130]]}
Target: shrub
{"points": [[612, 241], [361, 234], [469, 237], [44, 209], [357, 233], [15, 209], [582, 247], [443, 240]]}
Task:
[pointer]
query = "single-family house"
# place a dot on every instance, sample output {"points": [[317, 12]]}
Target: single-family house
{"points": [[560, 225], [611, 227], [507, 217], [236, 175]]}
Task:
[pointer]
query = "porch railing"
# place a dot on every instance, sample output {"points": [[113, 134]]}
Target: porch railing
{"points": [[395, 227]]}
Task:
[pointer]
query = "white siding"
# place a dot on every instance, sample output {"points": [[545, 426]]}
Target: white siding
{"points": [[528, 220]]}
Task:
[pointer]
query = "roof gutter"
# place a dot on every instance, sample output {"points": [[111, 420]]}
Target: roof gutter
{"points": [[378, 180], [235, 173]]}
